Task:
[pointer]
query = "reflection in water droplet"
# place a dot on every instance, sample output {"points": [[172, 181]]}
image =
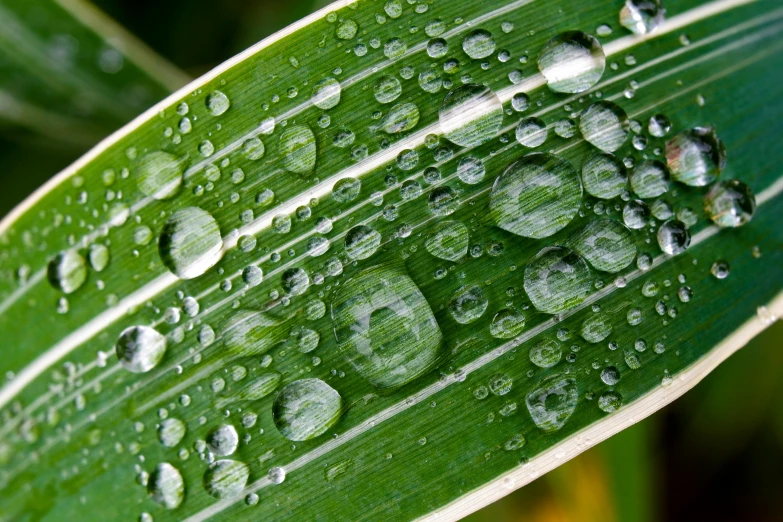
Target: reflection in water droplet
{"points": [[306, 408], [171, 431], [507, 324], [536, 196], [140, 348], [361, 242], [387, 89], [470, 115], [385, 327], [471, 170], [603, 176], [557, 279], [605, 244], [610, 375], [720, 269], [596, 328], [297, 148], [295, 281], [478, 44], [443, 201], [190, 242], [552, 403], [572, 62], [248, 333], [226, 478], [159, 174], [659, 125], [326, 93], [696, 157], [223, 440], [346, 190], [674, 237], [642, 16], [449, 241], [166, 486], [650, 179], [217, 103], [546, 353], [604, 125], [610, 402], [67, 271], [636, 214], [730, 203], [468, 304], [400, 118], [531, 132]]}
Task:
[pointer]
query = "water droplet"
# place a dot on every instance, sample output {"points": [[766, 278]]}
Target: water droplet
{"points": [[659, 125], [507, 324], [650, 179], [295, 281], [730, 203], [190, 242], [217, 103], [520, 102], [140, 348], [470, 115], [306, 408], [500, 384], [346, 30], [361, 242], [696, 157], [478, 44], [223, 440], [297, 148], [605, 244], [249, 333], [636, 214], [67, 271], [400, 118], [443, 201], [720, 269], [171, 431], [468, 304], [385, 327], [159, 175], [387, 89], [610, 402], [642, 16], [449, 241], [536, 196], [326, 93], [276, 475], [572, 62], [674, 237], [226, 478], [166, 486], [557, 279], [531, 132], [596, 328], [604, 176], [471, 170], [552, 403], [346, 190], [604, 125], [546, 353]]}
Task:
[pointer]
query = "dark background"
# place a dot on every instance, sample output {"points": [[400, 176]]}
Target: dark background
{"points": [[716, 454]]}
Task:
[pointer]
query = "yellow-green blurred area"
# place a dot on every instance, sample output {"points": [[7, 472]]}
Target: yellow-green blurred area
{"points": [[716, 454]]}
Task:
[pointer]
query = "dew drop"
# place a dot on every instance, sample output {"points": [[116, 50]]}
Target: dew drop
{"points": [[470, 115], [190, 242], [730, 203], [306, 408], [572, 62], [674, 237], [165, 486], [140, 348], [604, 125], [696, 157], [226, 478], [479, 44], [297, 147], [67, 271], [604, 176], [557, 279]]}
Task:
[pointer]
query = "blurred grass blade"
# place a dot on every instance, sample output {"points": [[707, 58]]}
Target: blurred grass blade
{"points": [[355, 274], [70, 73]]}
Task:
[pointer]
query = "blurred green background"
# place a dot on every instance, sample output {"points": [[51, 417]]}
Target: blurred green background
{"points": [[716, 454]]}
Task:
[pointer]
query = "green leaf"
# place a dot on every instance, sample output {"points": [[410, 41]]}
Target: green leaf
{"points": [[256, 301], [73, 75]]}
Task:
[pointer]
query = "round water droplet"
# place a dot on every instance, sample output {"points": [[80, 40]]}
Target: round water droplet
{"points": [[326, 93], [223, 440], [470, 115], [531, 132], [387, 89], [171, 431], [67, 271], [557, 279], [642, 16], [217, 103], [604, 176], [468, 304], [346, 29], [443, 201], [362, 242], [605, 244], [165, 486], [536, 196], [140, 348], [674, 237], [159, 175], [226, 478], [604, 125], [479, 44], [385, 327], [596, 328], [720, 269], [696, 157], [297, 148], [610, 402], [546, 353], [552, 403], [610, 375], [507, 324], [500, 384], [295, 281], [659, 125], [650, 179], [636, 214], [400, 118], [572, 62], [249, 333], [730, 203], [346, 190], [471, 170], [190, 242], [449, 241], [306, 408]]}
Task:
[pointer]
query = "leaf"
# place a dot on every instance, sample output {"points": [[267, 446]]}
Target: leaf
{"points": [[294, 192], [71, 74]]}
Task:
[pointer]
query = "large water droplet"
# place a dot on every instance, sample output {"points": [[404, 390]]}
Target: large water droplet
{"points": [[400, 118], [297, 148], [449, 241], [159, 174], [385, 327], [468, 304], [306, 408], [552, 403], [531, 132], [226, 478], [67, 271], [140, 348], [572, 62], [223, 440], [171, 431], [166, 486], [603, 176], [326, 93], [470, 115], [606, 244], [387, 89], [604, 125], [479, 44], [362, 242], [546, 353], [642, 16], [596, 328], [250, 333], [674, 237], [730, 203], [650, 179], [190, 242], [536, 196], [636, 214], [557, 279], [696, 157], [217, 103]]}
